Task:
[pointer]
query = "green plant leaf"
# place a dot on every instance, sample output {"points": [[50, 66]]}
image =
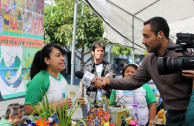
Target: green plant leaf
{"points": [[81, 121]]}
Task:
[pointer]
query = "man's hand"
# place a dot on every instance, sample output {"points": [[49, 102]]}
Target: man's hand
{"points": [[188, 73], [100, 82]]}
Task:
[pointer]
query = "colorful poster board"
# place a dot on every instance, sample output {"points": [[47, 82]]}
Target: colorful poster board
{"points": [[21, 36], [97, 117]]}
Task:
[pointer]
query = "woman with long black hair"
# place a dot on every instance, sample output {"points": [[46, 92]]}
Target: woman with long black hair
{"points": [[47, 80]]}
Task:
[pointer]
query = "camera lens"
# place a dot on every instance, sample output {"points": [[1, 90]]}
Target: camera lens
{"points": [[169, 65], [161, 65]]}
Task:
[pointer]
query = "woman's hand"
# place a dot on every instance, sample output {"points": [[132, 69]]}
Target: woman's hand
{"points": [[81, 100], [63, 101]]}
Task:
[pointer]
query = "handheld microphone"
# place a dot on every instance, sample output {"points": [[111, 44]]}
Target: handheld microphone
{"points": [[86, 78], [79, 74], [86, 82]]}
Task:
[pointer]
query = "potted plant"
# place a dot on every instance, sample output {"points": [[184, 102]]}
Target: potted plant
{"points": [[117, 110], [55, 116]]}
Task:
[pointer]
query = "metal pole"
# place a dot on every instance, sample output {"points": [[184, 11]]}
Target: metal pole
{"points": [[111, 2], [109, 52], [73, 44], [52, 1], [133, 50]]}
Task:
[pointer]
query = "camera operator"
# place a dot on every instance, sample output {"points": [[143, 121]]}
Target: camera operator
{"points": [[101, 69], [175, 89]]}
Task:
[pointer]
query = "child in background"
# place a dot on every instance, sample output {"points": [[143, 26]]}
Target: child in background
{"points": [[14, 115]]}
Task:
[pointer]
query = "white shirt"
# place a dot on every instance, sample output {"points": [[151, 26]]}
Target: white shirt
{"points": [[56, 90]]}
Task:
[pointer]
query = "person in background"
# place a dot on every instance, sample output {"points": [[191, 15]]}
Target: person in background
{"points": [[144, 96], [47, 80], [116, 67], [121, 68], [100, 68], [174, 89], [125, 64], [189, 118], [14, 115]]}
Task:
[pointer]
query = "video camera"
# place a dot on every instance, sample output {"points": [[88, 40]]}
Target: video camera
{"points": [[184, 44]]}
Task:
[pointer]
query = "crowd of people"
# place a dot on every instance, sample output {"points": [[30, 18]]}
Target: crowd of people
{"points": [[175, 89]]}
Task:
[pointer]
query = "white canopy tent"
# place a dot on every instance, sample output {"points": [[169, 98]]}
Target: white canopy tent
{"points": [[124, 18], [184, 26]]}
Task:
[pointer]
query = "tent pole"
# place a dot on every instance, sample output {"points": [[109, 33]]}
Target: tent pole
{"points": [[73, 43], [109, 53], [133, 54], [133, 38], [124, 10], [52, 1], [146, 7]]}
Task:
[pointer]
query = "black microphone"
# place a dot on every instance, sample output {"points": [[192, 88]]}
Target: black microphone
{"points": [[79, 74]]}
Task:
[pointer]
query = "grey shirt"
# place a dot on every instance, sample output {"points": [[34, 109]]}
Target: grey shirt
{"points": [[174, 88]]}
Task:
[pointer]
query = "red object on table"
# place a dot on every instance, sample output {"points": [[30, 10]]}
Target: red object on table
{"points": [[112, 124]]}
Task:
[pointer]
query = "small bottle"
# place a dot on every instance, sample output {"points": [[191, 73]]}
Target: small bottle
{"points": [[99, 94], [123, 123]]}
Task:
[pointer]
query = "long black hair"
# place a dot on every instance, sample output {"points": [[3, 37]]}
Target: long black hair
{"points": [[39, 63]]}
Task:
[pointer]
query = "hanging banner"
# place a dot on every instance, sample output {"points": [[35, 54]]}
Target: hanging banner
{"points": [[21, 36]]}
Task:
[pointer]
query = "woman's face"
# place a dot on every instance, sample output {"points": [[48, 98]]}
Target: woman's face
{"points": [[129, 71], [56, 62]]}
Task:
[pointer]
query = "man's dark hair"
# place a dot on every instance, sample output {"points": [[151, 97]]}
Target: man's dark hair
{"points": [[98, 44], [159, 24]]}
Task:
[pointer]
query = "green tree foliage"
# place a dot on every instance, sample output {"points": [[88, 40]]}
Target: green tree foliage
{"points": [[126, 51], [117, 49], [58, 27]]}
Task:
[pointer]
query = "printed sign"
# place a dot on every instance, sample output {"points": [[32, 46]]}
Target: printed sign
{"points": [[21, 36]]}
